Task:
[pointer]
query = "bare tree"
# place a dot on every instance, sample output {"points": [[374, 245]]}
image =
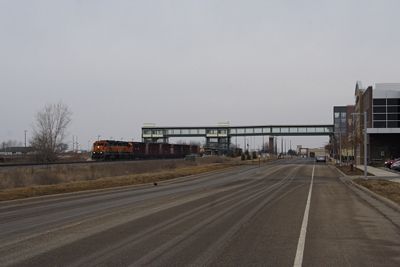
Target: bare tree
{"points": [[49, 131]]}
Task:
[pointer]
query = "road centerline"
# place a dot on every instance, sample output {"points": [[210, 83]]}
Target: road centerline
{"points": [[298, 261]]}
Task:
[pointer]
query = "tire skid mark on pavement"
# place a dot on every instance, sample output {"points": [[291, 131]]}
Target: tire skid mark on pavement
{"points": [[22, 244], [213, 250], [168, 249], [48, 219], [102, 255]]}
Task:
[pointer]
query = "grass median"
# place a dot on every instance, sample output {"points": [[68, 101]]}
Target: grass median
{"points": [[107, 182]]}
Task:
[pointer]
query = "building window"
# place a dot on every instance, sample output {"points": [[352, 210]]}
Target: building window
{"points": [[379, 117], [379, 124], [393, 109], [379, 102], [393, 124], [394, 117], [386, 112], [379, 109], [393, 102]]}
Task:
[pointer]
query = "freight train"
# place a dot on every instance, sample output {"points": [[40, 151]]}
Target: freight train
{"points": [[115, 150]]}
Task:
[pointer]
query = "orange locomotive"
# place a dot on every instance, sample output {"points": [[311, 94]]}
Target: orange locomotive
{"points": [[114, 150]]}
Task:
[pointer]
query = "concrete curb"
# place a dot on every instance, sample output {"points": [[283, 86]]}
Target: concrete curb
{"points": [[389, 203]]}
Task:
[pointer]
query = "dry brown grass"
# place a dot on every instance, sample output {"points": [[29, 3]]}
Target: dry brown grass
{"points": [[348, 171], [106, 182], [56, 174], [388, 189]]}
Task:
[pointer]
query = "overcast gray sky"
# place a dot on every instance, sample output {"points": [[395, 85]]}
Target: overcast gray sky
{"points": [[119, 64]]}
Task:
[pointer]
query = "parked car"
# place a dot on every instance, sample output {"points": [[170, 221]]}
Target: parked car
{"points": [[389, 162], [395, 165], [320, 159]]}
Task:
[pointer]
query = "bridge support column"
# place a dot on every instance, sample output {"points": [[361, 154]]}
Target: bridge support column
{"points": [[271, 145], [219, 145]]}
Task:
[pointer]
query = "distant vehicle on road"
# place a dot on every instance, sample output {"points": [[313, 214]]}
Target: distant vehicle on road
{"points": [[320, 159]]}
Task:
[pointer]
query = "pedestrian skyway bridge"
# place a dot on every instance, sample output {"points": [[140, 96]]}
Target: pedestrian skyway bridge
{"points": [[220, 136]]}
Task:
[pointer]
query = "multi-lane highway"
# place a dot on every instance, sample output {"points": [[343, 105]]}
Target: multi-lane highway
{"points": [[286, 213]]}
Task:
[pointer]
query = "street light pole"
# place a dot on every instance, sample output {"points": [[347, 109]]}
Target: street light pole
{"points": [[365, 144], [365, 141], [25, 138], [340, 145]]}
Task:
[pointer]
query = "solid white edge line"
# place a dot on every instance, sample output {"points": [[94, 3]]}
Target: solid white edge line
{"points": [[298, 261]]}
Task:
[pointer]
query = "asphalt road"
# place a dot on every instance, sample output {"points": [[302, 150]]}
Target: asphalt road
{"points": [[286, 213]]}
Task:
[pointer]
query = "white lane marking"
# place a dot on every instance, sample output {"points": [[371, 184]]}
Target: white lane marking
{"points": [[298, 261]]}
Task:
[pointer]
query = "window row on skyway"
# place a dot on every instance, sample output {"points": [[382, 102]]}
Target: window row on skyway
{"points": [[236, 131]]}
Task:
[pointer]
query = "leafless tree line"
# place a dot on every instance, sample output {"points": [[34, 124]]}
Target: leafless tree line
{"points": [[49, 131]]}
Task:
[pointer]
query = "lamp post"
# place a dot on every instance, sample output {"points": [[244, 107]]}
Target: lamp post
{"points": [[365, 141], [340, 145]]}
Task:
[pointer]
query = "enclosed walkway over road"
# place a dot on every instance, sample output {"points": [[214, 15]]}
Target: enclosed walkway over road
{"points": [[155, 133], [220, 136]]}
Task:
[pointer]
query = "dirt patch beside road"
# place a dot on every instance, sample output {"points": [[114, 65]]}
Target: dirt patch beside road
{"points": [[387, 189]]}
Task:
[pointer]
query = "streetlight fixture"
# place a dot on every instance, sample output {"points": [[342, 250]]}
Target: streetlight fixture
{"points": [[365, 140], [25, 131]]}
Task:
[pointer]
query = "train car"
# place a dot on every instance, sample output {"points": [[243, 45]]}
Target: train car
{"points": [[115, 150], [139, 150], [166, 151], [112, 150], [194, 149]]}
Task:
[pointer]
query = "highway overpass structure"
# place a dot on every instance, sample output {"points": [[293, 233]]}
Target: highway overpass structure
{"points": [[219, 137]]}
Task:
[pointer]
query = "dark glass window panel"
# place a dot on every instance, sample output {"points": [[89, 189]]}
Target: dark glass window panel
{"points": [[379, 117], [379, 124], [379, 101], [379, 109], [393, 109], [393, 124], [393, 101], [394, 117]]}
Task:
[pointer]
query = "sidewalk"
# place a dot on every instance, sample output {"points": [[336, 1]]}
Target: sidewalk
{"points": [[380, 173]]}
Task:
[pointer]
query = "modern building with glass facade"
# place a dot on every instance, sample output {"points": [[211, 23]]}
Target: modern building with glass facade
{"points": [[382, 106], [343, 136]]}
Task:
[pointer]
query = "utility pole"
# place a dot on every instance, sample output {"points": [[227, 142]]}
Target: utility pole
{"points": [[365, 142], [25, 138], [340, 146], [285, 148], [263, 148], [365, 145]]}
